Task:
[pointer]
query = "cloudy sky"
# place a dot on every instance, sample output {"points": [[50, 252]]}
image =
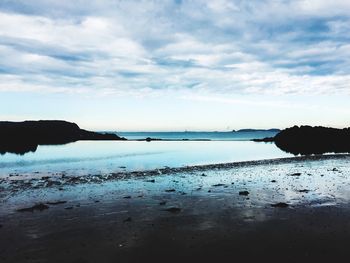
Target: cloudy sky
{"points": [[176, 64]]}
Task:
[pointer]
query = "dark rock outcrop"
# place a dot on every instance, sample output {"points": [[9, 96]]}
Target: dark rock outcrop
{"points": [[267, 139], [22, 137], [307, 140]]}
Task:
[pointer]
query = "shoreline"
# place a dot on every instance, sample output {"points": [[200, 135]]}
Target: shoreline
{"points": [[289, 206], [110, 176]]}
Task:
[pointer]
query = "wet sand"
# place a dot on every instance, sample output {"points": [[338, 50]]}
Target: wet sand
{"points": [[291, 210]]}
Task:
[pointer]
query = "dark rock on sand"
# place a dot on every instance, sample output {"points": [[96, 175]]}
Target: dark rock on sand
{"points": [[170, 190], [217, 185], [304, 191], [173, 210], [39, 207], [295, 174], [129, 219], [280, 205], [245, 193], [162, 203], [56, 202]]}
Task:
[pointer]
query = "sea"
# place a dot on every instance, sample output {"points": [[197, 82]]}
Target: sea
{"points": [[175, 149]]}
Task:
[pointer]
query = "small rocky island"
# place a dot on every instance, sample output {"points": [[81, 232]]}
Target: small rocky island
{"points": [[306, 140], [22, 137]]}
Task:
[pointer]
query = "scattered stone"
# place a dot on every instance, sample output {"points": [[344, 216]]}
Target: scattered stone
{"points": [[217, 185], [199, 188], [56, 203], [304, 191], [170, 190], [273, 181], [203, 174], [245, 193], [69, 208], [97, 201], [280, 205], [40, 207], [162, 203], [173, 210], [127, 220], [151, 181], [127, 197], [295, 174], [122, 167]]}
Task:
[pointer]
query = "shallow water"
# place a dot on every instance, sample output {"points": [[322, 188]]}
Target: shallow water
{"points": [[216, 136], [97, 157]]}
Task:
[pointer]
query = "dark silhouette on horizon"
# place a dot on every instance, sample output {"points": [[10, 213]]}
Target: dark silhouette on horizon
{"points": [[306, 140], [23, 137]]}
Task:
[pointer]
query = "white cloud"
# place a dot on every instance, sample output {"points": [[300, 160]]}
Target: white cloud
{"points": [[138, 47]]}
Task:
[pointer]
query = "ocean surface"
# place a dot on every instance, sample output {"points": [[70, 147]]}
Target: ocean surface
{"points": [[99, 157], [189, 135]]}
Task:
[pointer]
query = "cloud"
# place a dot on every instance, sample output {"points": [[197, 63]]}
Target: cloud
{"points": [[204, 47]]}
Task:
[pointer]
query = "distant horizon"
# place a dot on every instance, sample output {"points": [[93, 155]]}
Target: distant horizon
{"points": [[227, 129]]}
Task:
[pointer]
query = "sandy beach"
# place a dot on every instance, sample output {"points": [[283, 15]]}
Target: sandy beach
{"points": [[292, 209]]}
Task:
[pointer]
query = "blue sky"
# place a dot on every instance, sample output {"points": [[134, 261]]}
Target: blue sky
{"points": [[176, 65]]}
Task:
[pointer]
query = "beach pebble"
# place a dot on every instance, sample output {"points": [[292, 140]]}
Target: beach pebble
{"points": [[217, 185], [173, 210], [280, 205], [243, 193], [39, 207], [127, 220]]}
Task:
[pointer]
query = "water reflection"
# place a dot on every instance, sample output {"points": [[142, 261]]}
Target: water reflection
{"points": [[107, 156]]}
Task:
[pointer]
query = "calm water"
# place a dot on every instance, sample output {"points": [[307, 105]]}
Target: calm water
{"points": [[85, 157], [217, 136]]}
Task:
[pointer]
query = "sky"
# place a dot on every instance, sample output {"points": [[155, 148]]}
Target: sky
{"points": [[173, 65]]}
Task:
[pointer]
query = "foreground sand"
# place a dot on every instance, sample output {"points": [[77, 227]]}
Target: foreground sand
{"points": [[209, 214]]}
